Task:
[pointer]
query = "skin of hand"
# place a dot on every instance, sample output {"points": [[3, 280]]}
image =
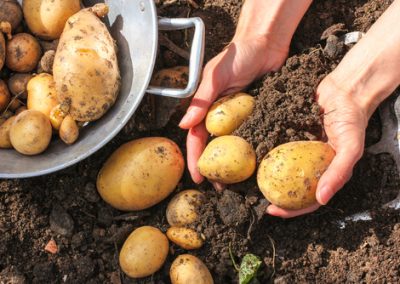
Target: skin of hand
{"points": [[367, 75], [260, 45]]}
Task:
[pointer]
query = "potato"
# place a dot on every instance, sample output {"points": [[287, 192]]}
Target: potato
{"points": [[288, 174], [42, 94], [4, 96], [144, 252], [20, 109], [17, 84], [228, 113], [85, 66], [5, 27], [176, 77], [5, 133], [46, 18], [23, 53], [141, 173], [11, 12], [46, 62], [185, 237], [30, 133], [227, 159], [183, 208], [57, 115], [187, 268], [69, 130]]}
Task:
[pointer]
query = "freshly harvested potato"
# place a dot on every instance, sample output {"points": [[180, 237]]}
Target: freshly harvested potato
{"points": [[17, 84], [187, 268], [46, 19], [23, 53], [46, 62], [144, 252], [228, 113], [4, 96], [42, 95], [20, 109], [185, 237], [5, 133], [30, 133], [176, 77], [183, 209], [141, 173], [57, 115], [5, 27], [11, 12], [69, 130], [227, 159], [85, 66], [288, 175]]}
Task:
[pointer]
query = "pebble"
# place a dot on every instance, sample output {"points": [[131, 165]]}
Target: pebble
{"points": [[60, 221]]}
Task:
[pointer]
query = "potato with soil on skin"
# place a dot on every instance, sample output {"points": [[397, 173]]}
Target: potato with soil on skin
{"points": [[46, 62], [69, 130], [288, 175], [17, 84], [186, 238], [187, 268], [23, 53], [46, 18], [5, 27], [141, 173], [57, 115], [4, 96], [30, 133], [183, 209], [228, 113], [42, 95], [144, 252], [10, 11], [176, 77], [5, 133], [227, 159], [85, 66]]}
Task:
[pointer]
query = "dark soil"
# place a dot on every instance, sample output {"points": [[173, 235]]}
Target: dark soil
{"points": [[65, 206]]}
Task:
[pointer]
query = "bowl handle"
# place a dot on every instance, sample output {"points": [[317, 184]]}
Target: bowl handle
{"points": [[196, 56]]}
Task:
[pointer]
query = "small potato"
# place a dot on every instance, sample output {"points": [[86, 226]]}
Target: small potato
{"points": [[69, 130], [30, 133], [5, 133], [10, 11], [227, 159], [23, 53], [185, 237], [228, 113], [17, 84], [4, 96], [288, 175], [20, 109], [14, 104], [183, 209], [46, 62], [144, 252], [42, 95], [46, 19], [141, 173], [57, 115], [176, 77], [187, 268]]}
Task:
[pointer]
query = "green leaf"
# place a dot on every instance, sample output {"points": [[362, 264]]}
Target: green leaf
{"points": [[248, 268]]}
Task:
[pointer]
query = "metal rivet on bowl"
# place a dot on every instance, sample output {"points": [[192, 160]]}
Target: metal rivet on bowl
{"points": [[142, 6]]}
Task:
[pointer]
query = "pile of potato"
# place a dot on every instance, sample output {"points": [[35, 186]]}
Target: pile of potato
{"points": [[58, 71]]}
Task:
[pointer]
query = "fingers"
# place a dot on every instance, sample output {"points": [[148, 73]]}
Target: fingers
{"points": [[283, 213], [195, 144], [219, 187]]}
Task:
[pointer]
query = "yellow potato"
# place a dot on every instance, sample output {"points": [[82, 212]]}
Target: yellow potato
{"points": [[288, 175], [144, 252], [4, 96], [5, 133], [176, 77], [57, 115], [42, 94], [227, 159], [85, 65], [141, 173], [69, 130], [185, 237], [30, 133], [187, 268], [23, 53], [183, 208], [47, 18], [228, 113]]}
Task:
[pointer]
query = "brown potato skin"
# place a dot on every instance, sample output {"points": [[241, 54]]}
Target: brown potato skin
{"points": [[2, 50], [69, 130], [187, 268], [4, 96], [17, 84], [10, 11], [20, 109], [5, 133], [23, 53]]}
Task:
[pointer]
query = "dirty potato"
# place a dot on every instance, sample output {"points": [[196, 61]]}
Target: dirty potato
{"points": [[5, 133], [186, 238], [57, 115], [85, 66], [176, 77], [4, 96], [69, 130], [17, 84], [227, 159], [23, 53], [42, 94], [288, 175], [144, 252], [187, 268], [10, 11]]}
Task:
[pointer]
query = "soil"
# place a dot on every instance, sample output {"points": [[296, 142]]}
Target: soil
{"points": [[65, 207]]}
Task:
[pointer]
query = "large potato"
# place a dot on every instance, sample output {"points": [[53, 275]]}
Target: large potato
{"points": [[288, 175], [227, 159], [185, 237], [42, 95], [183, 209], [30, 133], [47, 18], [5, 133], [85, 66], [11, 12], [23, 53], [187, 268], [141, 173], [144, 252], [228, 113], [4, 96]]}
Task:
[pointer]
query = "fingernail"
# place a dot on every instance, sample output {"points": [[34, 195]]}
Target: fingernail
{"points": [[323, 195], [187, 117]]}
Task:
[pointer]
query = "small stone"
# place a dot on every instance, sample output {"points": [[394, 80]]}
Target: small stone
{"points": [[51, 247], [60, 221], [90, 193], [333, 47]]}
